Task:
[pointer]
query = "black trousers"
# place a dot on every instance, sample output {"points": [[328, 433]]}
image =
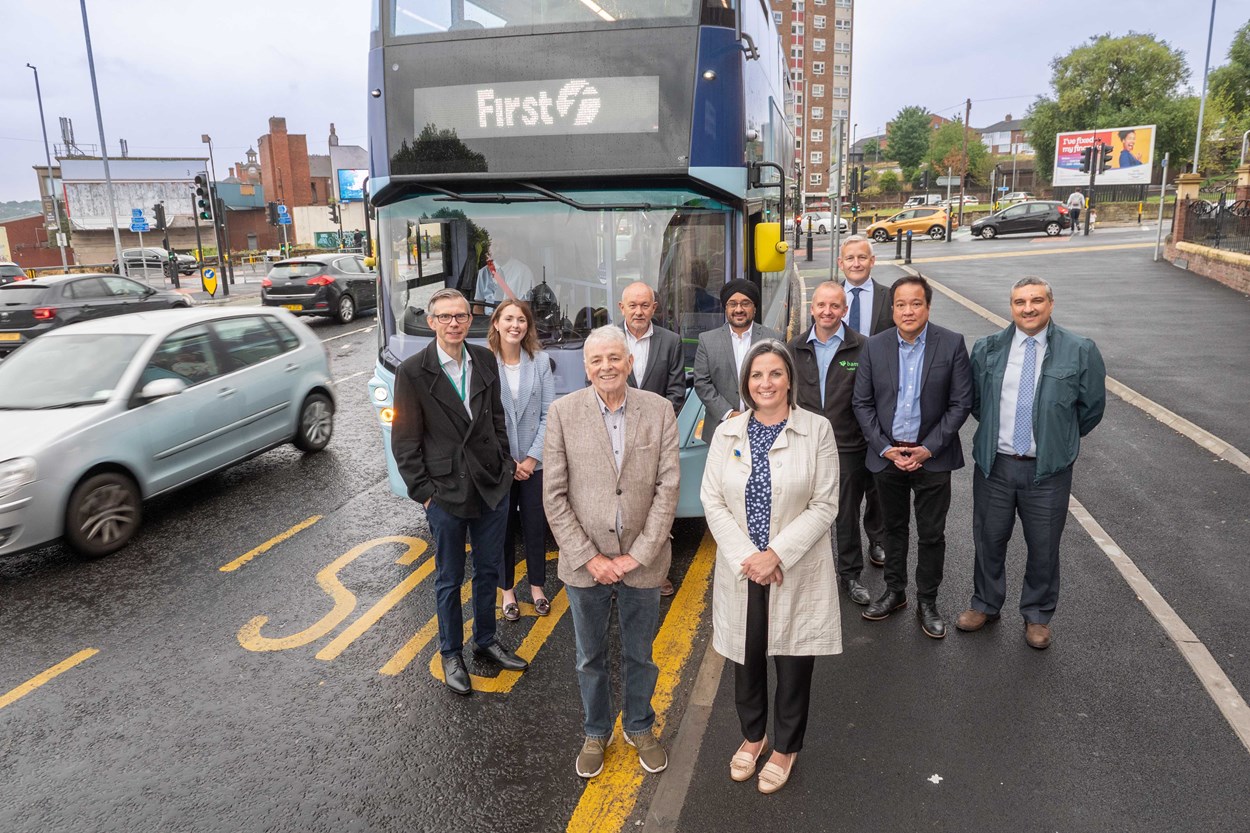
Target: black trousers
{"points": [[1043, 511], [794, 682], [855, 488], [527, 518], [932, 491]]}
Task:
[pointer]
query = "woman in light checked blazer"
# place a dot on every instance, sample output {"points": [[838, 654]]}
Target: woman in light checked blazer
{"points": [[770, 494], [527, 391]]}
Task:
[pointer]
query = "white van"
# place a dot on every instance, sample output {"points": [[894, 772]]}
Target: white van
{"points": [[923, 199]]}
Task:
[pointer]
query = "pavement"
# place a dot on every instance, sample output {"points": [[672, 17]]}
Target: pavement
{"points": [[297, 689]]}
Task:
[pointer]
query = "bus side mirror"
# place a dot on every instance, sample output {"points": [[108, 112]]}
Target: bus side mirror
{"points": [[770, 248]]}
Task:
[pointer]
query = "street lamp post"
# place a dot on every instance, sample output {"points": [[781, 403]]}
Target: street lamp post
{"points": [[219, 222], [1202, 102], [56, 210], [99, 119]]}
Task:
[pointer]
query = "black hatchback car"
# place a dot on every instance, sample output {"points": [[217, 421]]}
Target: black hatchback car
{"points": [[1035, 216], [338, 285], [32, 308]]}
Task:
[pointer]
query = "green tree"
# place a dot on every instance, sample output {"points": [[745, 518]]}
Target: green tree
{"points": [[1231, 82], [887, 181], [946, 151], [909, 136], [1112, 82]]}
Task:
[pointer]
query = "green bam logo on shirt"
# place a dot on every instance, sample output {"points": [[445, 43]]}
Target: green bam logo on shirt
{"points": [[850, 367]]}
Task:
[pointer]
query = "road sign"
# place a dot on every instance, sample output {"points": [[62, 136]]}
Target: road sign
{"points": [[281, 209], [284, 219], [208, 277], [61, 239], [139, 225], [137, 213], [947, 180]]}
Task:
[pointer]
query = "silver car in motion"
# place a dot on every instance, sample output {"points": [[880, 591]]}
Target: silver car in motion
{"points": [[99, 416]]}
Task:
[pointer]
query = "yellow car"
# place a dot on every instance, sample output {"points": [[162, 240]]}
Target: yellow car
{"points": [[930, 220]]}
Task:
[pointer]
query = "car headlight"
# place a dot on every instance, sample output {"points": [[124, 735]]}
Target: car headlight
{"points": [[16, 473]]}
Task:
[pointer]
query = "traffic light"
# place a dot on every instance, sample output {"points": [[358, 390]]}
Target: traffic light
{"points": [[924, 180], [1104, 159], [159, 211], [1087, 155], [271, 211], [854, 180], [863, 177], [334, 213], [203, 199]]}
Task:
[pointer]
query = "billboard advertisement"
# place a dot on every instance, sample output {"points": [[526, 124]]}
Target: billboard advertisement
{"points": [[1132, 155], [352, 185]]}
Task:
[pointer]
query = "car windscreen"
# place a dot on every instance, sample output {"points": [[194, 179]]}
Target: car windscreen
{"points": [[296, 270], [16, 294], [11, 272], [66, 371]]}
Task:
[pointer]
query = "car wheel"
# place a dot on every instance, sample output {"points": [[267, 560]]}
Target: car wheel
{"points": [[821, 229], [316, 423], [989, 233], [104, 513], [1053, 229], [937, 232], [347, 310], [881, 235]]}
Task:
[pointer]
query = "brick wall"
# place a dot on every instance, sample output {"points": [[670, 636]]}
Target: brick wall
{"points": [[243, 223], [28, 244], [284, 165], [1229, 268]]}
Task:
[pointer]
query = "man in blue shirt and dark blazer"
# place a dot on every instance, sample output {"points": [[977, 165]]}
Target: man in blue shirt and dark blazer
{"points": [[913, 391], [1037, 389]]}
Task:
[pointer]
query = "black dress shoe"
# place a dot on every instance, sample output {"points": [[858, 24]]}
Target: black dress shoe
{"points": [[501, 656], [455, 676], [887, 603], [876, 554], [855, 591], [930, 620]]}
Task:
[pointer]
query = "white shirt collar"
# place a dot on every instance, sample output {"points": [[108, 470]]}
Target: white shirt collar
{"points": [[444, 359], [1041, 338], [746, 336], [650, 331]]}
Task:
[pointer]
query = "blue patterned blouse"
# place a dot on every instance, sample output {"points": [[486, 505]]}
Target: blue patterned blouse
{"points": [[759, 496]]}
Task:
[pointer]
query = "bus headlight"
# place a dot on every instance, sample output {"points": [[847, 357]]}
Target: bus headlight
{"points": [[387, 415]]}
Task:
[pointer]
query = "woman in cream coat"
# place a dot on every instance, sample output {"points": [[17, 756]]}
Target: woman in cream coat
{"points": [[770, 496]]}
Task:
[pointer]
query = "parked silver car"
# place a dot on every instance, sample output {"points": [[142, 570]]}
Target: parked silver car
{"points": [[99, 416]]}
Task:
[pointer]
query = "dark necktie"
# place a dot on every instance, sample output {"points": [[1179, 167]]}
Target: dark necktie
{"points": [[855, 308]]}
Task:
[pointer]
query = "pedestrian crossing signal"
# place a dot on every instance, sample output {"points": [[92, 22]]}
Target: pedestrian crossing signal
{"points": [[203, 198]]}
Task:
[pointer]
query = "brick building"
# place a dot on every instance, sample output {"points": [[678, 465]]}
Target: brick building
{"points": [[820, 34], [27, 243], [284, 166]]}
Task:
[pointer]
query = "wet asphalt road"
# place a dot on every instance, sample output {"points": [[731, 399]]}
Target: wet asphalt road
{"points": [[178, 725]]}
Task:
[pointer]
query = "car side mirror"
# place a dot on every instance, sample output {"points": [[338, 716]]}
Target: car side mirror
{"points": [[162, 388], [147, 290]]}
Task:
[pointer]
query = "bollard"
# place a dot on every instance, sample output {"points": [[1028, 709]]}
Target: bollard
{"points": [[907, 257], [855, 225], [1139, 208], [898, 246], [949, 220], [809, 244]]}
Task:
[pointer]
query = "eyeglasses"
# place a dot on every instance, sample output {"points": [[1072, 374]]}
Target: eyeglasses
{"points": [[740, 305], [448, 317]]}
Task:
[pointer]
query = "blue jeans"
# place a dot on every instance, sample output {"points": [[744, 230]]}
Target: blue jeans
{"points": [[486, 531], [638, 612]]}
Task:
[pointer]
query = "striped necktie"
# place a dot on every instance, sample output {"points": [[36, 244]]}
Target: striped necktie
{"points": [[1022, 437]]}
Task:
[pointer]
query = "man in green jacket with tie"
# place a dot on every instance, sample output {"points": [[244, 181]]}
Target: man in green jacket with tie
{"points": [[1037, 389]]}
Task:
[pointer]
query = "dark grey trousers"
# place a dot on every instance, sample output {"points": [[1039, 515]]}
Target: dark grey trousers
{"points": [[1043, 510]]}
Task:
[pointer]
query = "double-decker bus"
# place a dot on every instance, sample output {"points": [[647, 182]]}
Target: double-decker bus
{"points": [[585, 144]]}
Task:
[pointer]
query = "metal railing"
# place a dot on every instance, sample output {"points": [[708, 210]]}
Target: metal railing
{"points": [[1221, 225]]}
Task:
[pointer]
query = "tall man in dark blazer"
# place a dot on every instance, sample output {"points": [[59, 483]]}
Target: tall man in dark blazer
{"points": [[868, 312], [718, 359], [913, 391], [826, 361], [1038, 389], [450, 443], [658, 363]]}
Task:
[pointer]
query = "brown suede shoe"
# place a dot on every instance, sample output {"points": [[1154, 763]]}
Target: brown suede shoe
{"points": [[1037, 635], [973, 620]]}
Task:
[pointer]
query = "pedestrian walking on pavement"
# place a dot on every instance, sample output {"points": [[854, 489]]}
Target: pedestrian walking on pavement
{"points": [[1037, 389], [450, 444], [826, 359], [1076, 203], [868, 313], [913, 391], [611, 477], [769, 495], [528, 390], [658, 366]]}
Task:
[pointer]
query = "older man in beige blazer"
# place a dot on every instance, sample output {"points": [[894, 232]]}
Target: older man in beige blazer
{"points": [[610, 490]]}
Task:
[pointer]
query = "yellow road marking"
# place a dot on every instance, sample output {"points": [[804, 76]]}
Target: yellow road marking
{"points": [[268, 545], [10, 697], [370, 617], [1110, 247], [344, 600], [609, 798]]}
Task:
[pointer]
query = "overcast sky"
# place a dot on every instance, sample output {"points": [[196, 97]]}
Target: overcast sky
{"points": [[305, 59]]}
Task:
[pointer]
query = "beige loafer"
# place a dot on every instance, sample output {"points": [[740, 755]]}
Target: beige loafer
{"points": [[773, 777], [742, 765]]}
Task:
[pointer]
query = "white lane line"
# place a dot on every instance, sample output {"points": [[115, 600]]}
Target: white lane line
{"points": [[1220, 448], [349, 333], [1221, 689], [352, 376]]}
